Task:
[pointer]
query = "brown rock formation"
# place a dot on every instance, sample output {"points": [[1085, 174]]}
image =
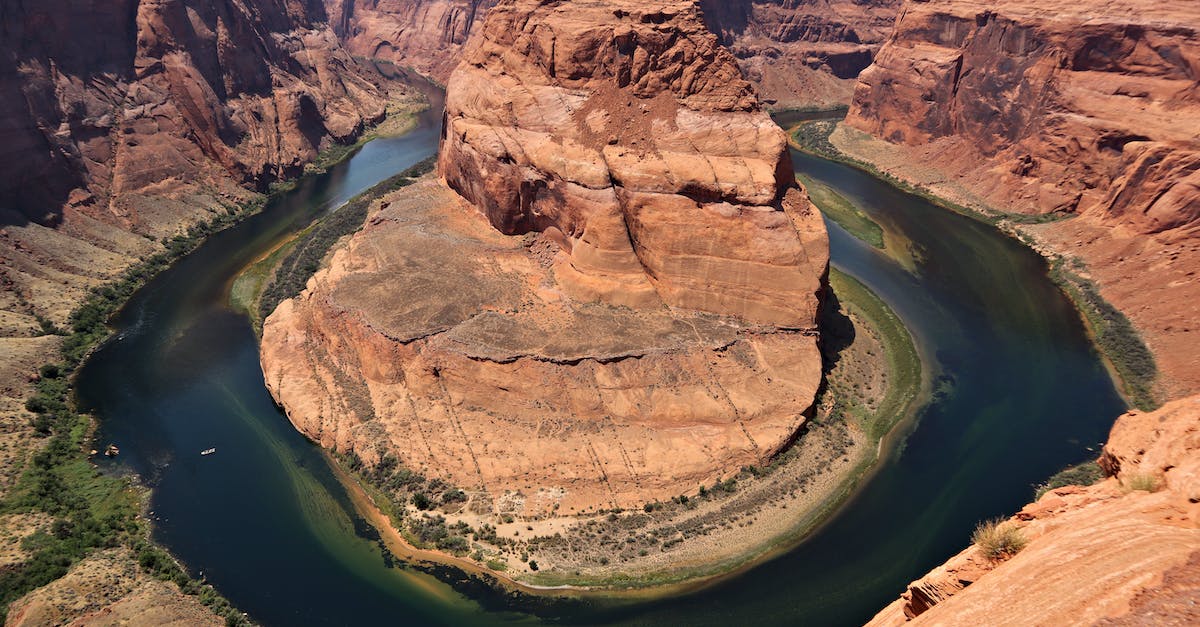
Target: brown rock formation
{"points": [[1110, 553], [1087, 107], [630, 137], [802, 53], [1090, 109], [427, 35], [796, 52], [639, 321], [124, 121]]}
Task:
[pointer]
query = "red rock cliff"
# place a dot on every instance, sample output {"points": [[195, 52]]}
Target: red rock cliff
{"points": [[802, 53], [123, 120], [1085, 107], [625, 309], [427, 35], [796, 52], [1125, 551], [631, 137]]}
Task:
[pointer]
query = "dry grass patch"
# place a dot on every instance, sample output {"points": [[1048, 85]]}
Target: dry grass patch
{"points": [[998, 539]]}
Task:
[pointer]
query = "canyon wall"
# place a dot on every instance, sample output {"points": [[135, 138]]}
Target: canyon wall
{"points": [[1125, 551], [1088, 111], [802, 53], [796, 52], [617, 306], [124, 120], [1088, 107], [427, 35]]}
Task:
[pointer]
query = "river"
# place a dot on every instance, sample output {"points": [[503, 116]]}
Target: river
{"points": [[1020, 394]]}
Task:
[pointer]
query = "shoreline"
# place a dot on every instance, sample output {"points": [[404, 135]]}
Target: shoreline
{"points": [[53, 400], [1077, 289], [766, 525]]}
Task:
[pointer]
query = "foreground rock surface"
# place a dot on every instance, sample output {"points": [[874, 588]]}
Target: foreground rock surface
{"points": [[622, 309], [1125, 551]]}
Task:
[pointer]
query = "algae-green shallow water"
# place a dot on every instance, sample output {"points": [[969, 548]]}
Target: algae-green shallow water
{"points": [[1020, 393]]}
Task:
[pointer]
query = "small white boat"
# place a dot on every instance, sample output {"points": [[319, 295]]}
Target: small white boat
{"points": [[208, 451]]}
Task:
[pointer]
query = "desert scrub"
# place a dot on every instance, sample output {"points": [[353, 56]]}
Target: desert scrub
{"points": [[998, 539], [1085, 474], [1142, 481], [1115, 335]]}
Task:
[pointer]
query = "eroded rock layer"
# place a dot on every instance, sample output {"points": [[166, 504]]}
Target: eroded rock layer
{"points": [[629, 136], [802, 53], [1125, 551], [798, 53], [434, 338], [122, 121], [1088, 107], [427, 35], [620, 306]]}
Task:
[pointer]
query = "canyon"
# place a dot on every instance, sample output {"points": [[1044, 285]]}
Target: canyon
{"points": [[611, 299], [1087, 111], [797, 53], [1076, 126], [123, 124]]}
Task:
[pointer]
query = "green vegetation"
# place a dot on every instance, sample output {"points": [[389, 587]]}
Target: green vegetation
{"points": [[1120, 343], [837, 208], [1115, 336], [903, 361], [1085, 474], [998, 539], [304, 257]]}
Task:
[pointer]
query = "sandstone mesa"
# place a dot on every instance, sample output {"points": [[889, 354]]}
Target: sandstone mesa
{"points": [[619, 308]]}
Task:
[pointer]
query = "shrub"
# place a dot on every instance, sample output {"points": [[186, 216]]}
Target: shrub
{"points": [[533, 565], [1087, 473], [1142, 481], [998, 539]]}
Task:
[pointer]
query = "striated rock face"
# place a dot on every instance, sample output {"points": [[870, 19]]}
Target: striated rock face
{"points": [[631, 139], [1104, 554], [796, 52], [620, 306], [124, 95], [802, 53], [427, 35], [1086, 107]]}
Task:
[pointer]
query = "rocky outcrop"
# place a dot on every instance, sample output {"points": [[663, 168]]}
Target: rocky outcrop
{"points": [[125, 120], [797, 53], [1087, 110], [1087, 107], [802, 53], [427, 35], [630, 137], [620, 306], [1124, 551]]}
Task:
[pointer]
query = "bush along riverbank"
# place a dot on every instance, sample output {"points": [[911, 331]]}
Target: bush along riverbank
{"points": [[1116, 339], [92, 511], [874, 380]]}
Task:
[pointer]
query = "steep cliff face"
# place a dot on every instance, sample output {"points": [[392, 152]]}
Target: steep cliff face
{"points": [[802, 53], [795, 52], [1125, 551], [1089, 111], [125, 120], [631, 137], [623, 312], [1089, 107], [427, 35], [113, 97]]}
